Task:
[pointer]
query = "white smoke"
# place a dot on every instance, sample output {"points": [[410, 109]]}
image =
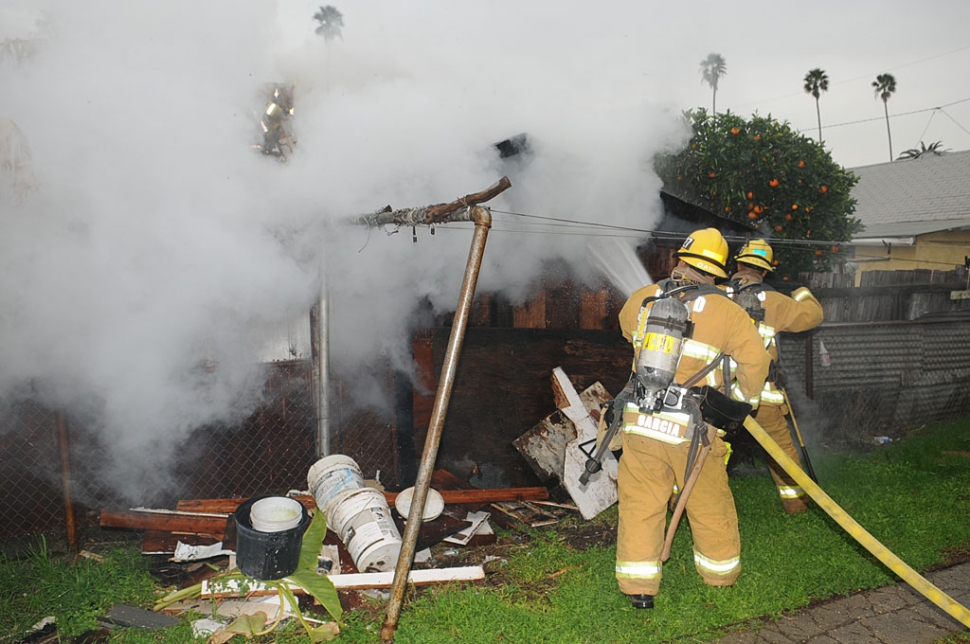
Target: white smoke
{"points": [[157, 242]]}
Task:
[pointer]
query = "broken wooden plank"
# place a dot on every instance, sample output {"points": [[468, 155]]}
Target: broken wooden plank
{"points": [[160, 542], [229, 505], [357, 581], [183, 522], [433, 532], [463, 496], [600, 493], [544, 446], [529, 514], [462, 537]]}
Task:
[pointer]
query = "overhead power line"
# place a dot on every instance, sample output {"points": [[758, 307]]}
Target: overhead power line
{"points": [[891, 116], [575, 228]]}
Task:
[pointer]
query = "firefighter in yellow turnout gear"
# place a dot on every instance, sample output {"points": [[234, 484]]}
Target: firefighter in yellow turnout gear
{"points": [[656, 441], [779, 313]]}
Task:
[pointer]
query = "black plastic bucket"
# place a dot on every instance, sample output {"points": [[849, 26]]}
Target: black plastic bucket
{"points": [[267, 555]]}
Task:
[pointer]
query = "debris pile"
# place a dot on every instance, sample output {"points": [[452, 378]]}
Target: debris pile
{"points": [[195, 548]]}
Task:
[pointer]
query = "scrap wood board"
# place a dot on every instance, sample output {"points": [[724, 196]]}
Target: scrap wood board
{"points": [[600, 493], [544, 445]]}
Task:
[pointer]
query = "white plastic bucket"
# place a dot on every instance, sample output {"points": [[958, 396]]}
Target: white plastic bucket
{"points": [[332, 477], [275, 514], [363, 521]]}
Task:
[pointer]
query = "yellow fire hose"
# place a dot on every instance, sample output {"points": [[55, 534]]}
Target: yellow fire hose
{"points": [[870, 543]]}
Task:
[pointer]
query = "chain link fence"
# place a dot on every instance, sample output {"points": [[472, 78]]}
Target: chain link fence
{"points": [[49, 465]]}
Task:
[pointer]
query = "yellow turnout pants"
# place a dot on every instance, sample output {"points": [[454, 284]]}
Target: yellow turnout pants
{"points": [[648, 471]]}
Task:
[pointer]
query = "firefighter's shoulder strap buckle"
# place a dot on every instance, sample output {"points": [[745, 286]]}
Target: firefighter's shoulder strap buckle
{"points": [[674, 397]]}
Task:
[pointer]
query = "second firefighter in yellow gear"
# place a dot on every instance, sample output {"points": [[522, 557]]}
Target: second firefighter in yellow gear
{"points": [[779, 313], [655, 451]]}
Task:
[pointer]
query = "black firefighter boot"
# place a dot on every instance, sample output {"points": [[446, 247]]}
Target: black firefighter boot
{"points": [[641, 601]]}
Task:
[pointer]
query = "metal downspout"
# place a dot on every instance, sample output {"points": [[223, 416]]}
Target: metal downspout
{"points": [[483, 221], [320, 350]]}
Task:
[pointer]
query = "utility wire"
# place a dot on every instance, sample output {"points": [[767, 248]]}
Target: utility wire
{"points": [[556, 225], [790, 244], [947, 114], [882, 118]]}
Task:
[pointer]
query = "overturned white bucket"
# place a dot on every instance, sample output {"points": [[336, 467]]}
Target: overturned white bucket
{"points": [[332, 477], [362, 520]]}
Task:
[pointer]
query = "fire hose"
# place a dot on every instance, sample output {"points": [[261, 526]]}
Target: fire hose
{"points": [[856, 531]]}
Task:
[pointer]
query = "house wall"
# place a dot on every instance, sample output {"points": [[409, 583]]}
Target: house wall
{"points": [[941, 251]]}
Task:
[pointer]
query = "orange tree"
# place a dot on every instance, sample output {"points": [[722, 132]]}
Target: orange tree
{"points": [[785, 187]]}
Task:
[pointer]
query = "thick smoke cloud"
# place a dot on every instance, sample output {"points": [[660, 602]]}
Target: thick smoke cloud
{"points": [[142, 272]]}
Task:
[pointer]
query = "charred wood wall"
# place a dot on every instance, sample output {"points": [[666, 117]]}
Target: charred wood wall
{"points": [[502, 388]]}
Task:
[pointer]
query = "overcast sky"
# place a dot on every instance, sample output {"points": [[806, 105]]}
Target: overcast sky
{"points": [[154, 236], [627, 51]]}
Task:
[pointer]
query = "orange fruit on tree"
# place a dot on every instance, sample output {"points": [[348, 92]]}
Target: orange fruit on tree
{"points": [[759, 209], [788, 216], [757, 137], [794, 206], [727, 208], [835, 249], [735, 130], [818, 251], [801, 164], [750, 195], [712, 174], [774, 183], [775, 262], [808, 234], [823, 189], [752, 215], [779, 228]]}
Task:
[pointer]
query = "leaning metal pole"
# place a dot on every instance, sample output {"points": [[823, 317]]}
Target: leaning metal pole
{"points": [[483, 221]]}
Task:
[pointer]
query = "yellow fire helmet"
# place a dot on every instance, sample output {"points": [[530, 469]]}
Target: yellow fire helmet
{"points": [[705, 250], [756, 253]]}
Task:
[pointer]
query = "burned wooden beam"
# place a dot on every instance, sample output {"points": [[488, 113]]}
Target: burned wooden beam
{"points": [[457, 210]]}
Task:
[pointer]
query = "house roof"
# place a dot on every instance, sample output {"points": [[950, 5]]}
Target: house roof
{"points": [[913, 197]]}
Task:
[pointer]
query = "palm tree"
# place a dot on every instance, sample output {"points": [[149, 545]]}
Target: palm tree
{"points": [[331, 22], [885, 86], [816, 82], [916, 153], [712, 68]]}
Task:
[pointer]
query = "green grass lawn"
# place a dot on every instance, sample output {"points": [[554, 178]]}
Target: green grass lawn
{"points": [[912, 495]]}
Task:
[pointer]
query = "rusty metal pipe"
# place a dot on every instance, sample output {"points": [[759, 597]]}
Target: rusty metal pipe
{"points": [[483, 221], [70, 524]]}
